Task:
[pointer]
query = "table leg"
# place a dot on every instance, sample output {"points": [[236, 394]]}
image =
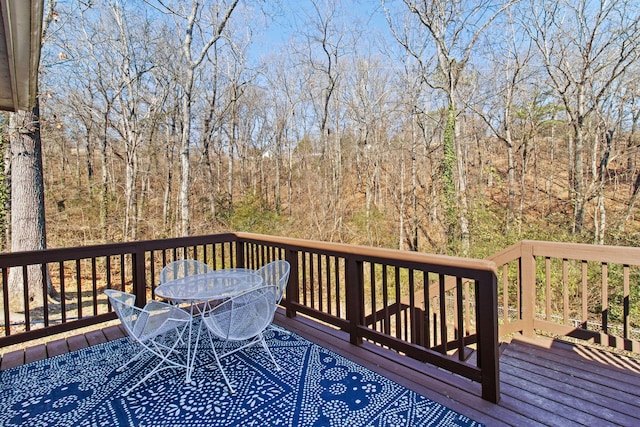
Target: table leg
{"points": [[192, 353], [189, 356]]}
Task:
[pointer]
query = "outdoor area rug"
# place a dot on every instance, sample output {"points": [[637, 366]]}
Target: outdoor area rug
{"points": [[315, 387]]}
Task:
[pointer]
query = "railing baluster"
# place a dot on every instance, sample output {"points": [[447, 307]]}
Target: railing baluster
{"points": [[122, 272], [467, 308], [320, 283], [444, 337], [385, 301], [374, 290], [224, 257], [25, 287], [398, 322], [108, 272], [505, 293], [63, 294], [565, 291], [460, 319], [413, 324], [337, 281], [305, 283], [547, 281], [5, 301], [330, 285], [585, 296], [427, 309], [605, 298], [625, 303], [79, 288], [152, 271], [44, 277], [214, 257], [94, 285]]}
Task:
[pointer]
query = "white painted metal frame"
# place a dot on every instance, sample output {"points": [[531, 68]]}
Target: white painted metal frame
{"points": [[242, 318], [199, 291], [149, 327], [276, 273]]}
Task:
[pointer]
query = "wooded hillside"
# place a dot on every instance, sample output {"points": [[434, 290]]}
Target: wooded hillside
{"points": [[448, 129]]}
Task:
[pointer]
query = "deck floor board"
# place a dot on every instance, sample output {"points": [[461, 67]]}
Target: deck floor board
{"points": [[598, 390], [543, 382], [33, 354], [57, 347]]}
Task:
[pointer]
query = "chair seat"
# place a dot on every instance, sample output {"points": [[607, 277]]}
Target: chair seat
{"points": [[156, 319]]}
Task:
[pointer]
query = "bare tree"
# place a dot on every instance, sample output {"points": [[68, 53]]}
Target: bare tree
{"points": [[326, 43], [454, 28], [369, 104], [283, 103], [586, 47], [498, 97], [204, 25]]}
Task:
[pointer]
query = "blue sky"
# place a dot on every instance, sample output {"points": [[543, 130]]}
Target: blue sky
{"points": [[293, 16]]}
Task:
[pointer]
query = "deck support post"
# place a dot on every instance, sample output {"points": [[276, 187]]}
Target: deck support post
{"points": [[240, 258], [293, 286], [139, 276], [487, 330], [355, 298]]}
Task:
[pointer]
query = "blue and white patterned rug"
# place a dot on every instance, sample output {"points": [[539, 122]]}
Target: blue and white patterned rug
{"points": [[315, 387]]}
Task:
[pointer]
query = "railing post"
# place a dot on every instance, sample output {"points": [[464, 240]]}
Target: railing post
{"points": [[293, 286], [239, 253], [488, 351], [139, 277], [355, 298], [528, 289]]}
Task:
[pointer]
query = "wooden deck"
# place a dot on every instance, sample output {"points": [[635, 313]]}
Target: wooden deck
{"points": [[543, 382]]}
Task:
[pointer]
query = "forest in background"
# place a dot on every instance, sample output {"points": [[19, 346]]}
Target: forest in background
{"points": [[457, 127]]}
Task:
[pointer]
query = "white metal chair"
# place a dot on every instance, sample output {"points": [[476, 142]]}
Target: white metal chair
{"points": [[149, 327], [241, 318], [276, 273], [183, 267]]}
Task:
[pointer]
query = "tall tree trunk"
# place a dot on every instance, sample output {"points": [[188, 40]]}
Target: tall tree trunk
{"points": [[168, 157], [447, 166], [578, 174], [104, 190], [415, 223], [5, 193], [185, 166], [187, 100], [27, 208], [461, 196]]}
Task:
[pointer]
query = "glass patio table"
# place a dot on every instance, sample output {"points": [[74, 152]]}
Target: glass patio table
{"points": [[199, 291]]}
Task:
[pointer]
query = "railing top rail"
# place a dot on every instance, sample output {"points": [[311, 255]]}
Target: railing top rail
{"points": [[626, 255], [456, 266], [463, 267], [63, 254]]}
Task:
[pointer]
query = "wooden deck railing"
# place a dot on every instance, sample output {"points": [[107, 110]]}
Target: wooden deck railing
{"points": [[432, 308], [80, 275], [589, 292], [429, 307]]}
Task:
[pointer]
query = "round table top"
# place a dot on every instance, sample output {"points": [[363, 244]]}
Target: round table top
{"points": [[218, 284]]}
